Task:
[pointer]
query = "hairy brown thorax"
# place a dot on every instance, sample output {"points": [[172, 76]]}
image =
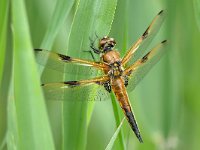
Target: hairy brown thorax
{"points": [[112, 58]]}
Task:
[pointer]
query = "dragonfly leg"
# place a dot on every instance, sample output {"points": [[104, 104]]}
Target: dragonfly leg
{"points": [[91, 53], [95, 50], [126, 80], [107, 86]]}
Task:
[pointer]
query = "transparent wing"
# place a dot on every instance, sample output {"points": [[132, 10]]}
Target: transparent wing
{"points": [[85, 90], [66, 64], [139, 48], [140, 68]]}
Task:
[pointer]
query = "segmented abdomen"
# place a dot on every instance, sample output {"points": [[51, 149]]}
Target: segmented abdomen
{"points": [[119, 89]]}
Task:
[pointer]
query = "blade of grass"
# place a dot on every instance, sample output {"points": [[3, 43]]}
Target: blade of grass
{"points": [[60, 14], [118, 116], [114, 137], [197, 12], [105, 17], [4, 5], [91, 16], [185, 72], [3, 144], [12, 137], [120, 33], [32, 122], [4, 67]]}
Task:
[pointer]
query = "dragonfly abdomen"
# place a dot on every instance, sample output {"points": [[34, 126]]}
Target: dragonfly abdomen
{"points": [[119, 89]]}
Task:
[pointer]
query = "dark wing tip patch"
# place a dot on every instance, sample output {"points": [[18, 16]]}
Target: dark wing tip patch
{"points": [[64, 57], [144, 35], [145, 58], [37, 49], [164, 41], [160, 12]]}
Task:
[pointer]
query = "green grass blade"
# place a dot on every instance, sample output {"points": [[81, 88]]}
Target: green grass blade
{"points": [[31, 116], [4, 5], [120, 33], [12, 143], [102, 27], [118, 116], [4, 68], [112, 140], [60, 14], [91, 16], [3, 144], [197, 12], [184, 65]]}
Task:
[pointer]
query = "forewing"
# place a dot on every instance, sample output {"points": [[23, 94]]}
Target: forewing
{"points": [[74, 91], [140, 68], [140, 47], [67, 64]]}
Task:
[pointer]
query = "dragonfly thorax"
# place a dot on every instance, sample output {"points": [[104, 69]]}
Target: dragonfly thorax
{"points": [[112, 58], [116, 69]]}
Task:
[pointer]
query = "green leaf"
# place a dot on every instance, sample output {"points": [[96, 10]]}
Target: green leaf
{"points": [[91, 16], [4, 67], [31, 117], [114, 137], [197, 12], [12, 130], [60, 14], [119, 32], [4, 5], [118, 116]]}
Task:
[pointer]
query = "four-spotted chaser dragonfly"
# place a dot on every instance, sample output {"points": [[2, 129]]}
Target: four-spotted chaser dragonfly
{"points": [[119, 74]]}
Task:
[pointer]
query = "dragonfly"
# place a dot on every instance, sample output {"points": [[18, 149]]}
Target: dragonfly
{"points": [[119, 75]]}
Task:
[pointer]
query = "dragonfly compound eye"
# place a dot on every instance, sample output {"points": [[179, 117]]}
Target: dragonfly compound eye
{"points": [[106, 43]]}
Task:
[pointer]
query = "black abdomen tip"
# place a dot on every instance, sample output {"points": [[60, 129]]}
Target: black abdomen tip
{"points": [[132, 122]]}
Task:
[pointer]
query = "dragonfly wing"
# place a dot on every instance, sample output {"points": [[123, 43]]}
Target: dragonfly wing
{"points": [[67, 64], [140, 68], [89, 90], [139, 48]]}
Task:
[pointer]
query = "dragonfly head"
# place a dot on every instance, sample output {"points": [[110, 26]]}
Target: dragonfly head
{"points": [[106, 44]]}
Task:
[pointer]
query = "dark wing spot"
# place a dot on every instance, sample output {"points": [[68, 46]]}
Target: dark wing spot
{"points": [[73, 83], [160, 12], [128, 74], [37, 49], [64, 57], [145, 58], [42, 84], [98, 82], [145, 34], [164, 41]]}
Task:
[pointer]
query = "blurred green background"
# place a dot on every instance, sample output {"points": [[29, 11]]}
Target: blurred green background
{"points": [[166, 102]]}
